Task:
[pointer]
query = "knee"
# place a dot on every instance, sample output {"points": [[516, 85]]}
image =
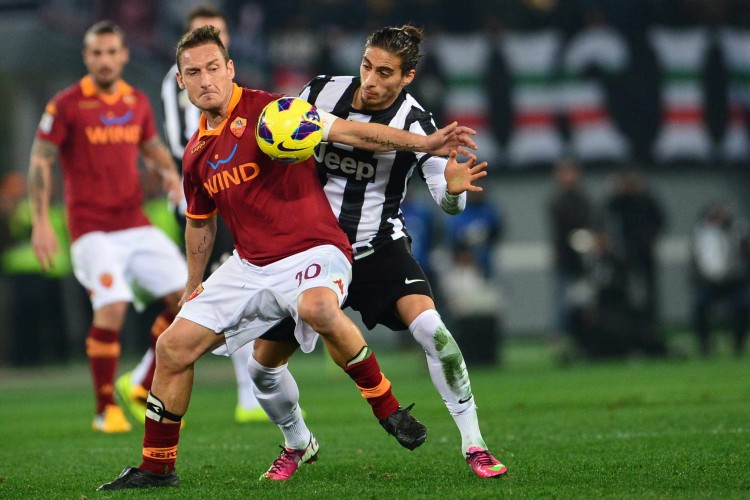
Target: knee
{"points": [[320, 312], [111, 316], [257, 372], [171, 351], [265, 378], [430, 331], [272, 354]]}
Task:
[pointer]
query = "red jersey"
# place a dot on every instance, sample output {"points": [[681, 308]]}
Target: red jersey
{"points": [[272, 210], [99, 136]]}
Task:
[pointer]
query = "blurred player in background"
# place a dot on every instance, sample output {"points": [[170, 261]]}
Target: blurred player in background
{"points": [[388, 285], [96, 128], [291, 259], [181, 120]]}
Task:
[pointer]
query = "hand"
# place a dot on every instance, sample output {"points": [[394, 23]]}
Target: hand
{"points": [[188, 294], [44, 243], [183, 299], [448, 138], [461, 176]]}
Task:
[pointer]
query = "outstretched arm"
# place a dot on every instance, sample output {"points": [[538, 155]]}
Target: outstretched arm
{"points": [[379, 137], [43, 239]]}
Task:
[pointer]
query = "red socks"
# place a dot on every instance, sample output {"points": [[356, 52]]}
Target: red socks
{"points": [[160, 446], [374, 386], [103, 351], [161, 323]]}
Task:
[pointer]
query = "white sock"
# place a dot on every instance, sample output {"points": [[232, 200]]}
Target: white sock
{"points": [[278, 395], [449, 375], [143, 366], [245, 394]]}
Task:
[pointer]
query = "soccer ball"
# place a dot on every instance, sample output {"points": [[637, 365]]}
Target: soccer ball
{"points": [[289, 129]]}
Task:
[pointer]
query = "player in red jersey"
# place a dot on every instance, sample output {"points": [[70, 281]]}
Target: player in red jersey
{"points": [[291, 259], [97, 128], [180, 123]]}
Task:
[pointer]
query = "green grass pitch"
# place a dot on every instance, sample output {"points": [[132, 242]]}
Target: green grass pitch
{"points": [[636, 429]]}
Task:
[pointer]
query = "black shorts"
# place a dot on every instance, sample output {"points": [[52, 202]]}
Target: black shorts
{"points": [[380, 279]]}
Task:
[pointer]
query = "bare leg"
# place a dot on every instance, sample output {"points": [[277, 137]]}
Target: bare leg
{"points": [[177, 349], [320, 309]]}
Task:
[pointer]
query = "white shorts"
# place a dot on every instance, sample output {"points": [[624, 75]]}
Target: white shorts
{"points": [[243, 300], [133, 265]]}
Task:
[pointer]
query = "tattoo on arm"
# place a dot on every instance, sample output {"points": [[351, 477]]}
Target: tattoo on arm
{"points": [[43, 156], [36, 179], [201, 248], [388, 144], [37, 190], [45, 149]]}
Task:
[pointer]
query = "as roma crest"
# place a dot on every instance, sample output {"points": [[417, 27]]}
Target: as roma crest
{"points": [[198, 290], [106, 280], [238, 127]]}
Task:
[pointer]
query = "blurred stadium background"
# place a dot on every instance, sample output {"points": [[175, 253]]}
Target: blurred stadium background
{"points": [[662, 85]]}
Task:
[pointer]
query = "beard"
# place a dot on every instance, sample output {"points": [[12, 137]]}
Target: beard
{"points": [[105, 78]]}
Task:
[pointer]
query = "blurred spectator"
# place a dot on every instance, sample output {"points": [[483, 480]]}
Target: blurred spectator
{"points": [[474, 306], [604, 322], [467, 290], [430, 87], [67, 17], [420, 222], [569, 211], [250, 47], [474, 302], [477, 229], [498, 83], [720, 251], [137, 18], [636, 220]]}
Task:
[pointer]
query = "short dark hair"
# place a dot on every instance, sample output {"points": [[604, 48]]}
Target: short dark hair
{"points": [[402, 42], [200, 36], [104, 28], [204, 11]]}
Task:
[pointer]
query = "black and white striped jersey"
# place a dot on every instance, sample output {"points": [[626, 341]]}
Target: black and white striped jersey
{"points": [[366, 189], [181, 118]]}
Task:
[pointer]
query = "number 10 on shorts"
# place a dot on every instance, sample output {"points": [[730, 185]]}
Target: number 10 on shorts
{"points": [[312, 271]]}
